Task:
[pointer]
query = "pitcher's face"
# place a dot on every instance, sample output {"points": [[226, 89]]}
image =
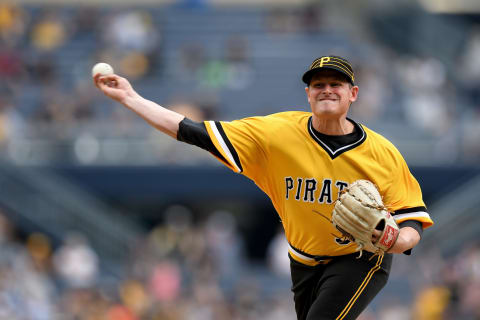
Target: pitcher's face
{"points": [[330, 94]]}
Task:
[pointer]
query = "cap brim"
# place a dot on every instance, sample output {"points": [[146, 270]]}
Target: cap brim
{"points": [[307, 76]]}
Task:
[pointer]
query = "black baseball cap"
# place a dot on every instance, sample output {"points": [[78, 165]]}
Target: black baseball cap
{"points": [[330, 62]]}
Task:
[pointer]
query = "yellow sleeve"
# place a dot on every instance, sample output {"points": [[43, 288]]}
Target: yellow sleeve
{"points": [[243, 143], [404, 198]]}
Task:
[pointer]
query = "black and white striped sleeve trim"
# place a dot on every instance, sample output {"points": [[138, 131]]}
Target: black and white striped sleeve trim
{"points": [[415, 213], [223, 144], [195, 133]]}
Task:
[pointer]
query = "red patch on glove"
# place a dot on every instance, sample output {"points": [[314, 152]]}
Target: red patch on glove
{"points": [[389, 236]]}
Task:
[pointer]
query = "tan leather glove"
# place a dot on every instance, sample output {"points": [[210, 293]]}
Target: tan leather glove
{"points": [[359, 211]]}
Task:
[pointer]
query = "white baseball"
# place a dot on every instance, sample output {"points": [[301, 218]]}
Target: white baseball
{"points": [[103, 68]]}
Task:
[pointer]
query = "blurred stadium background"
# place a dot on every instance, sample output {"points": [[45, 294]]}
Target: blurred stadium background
{"points": [[101, 217]]}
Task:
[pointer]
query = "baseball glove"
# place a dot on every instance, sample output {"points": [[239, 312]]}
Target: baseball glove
{"points": [[358, 212]]}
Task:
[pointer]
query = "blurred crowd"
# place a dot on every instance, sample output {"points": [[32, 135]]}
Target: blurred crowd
{"points": [[177, 270], [47, 96], [452, 290], [181, 270], [51, 113]]}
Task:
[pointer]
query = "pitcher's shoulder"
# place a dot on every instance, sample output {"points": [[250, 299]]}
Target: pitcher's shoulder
{"points": [[291, 116], [379, 138]]}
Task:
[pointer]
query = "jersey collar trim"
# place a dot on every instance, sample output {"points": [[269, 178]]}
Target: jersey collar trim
{"points": [[335, 153]]}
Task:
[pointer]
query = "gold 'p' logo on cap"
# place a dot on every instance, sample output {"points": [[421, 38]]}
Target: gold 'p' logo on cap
{"points": [[332, 62], [324, 60]]}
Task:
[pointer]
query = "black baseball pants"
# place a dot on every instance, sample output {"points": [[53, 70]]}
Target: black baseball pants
{"points": [[340, 289]]}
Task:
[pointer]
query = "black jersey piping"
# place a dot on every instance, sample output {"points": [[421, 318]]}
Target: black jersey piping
{"points": [[311, 256], [229, 145], [335, 153], [408, 210], [195, 133]]}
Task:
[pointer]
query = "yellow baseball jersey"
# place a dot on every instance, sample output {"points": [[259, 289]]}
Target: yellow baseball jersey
{"points": [[303, 176]]}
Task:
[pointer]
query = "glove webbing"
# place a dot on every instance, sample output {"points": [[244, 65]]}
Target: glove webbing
{"points": [[368, 205]]}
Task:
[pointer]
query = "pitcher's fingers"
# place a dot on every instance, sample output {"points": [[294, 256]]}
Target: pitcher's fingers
{"points": [[109, 81], [98, 79], [95, 80]]}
